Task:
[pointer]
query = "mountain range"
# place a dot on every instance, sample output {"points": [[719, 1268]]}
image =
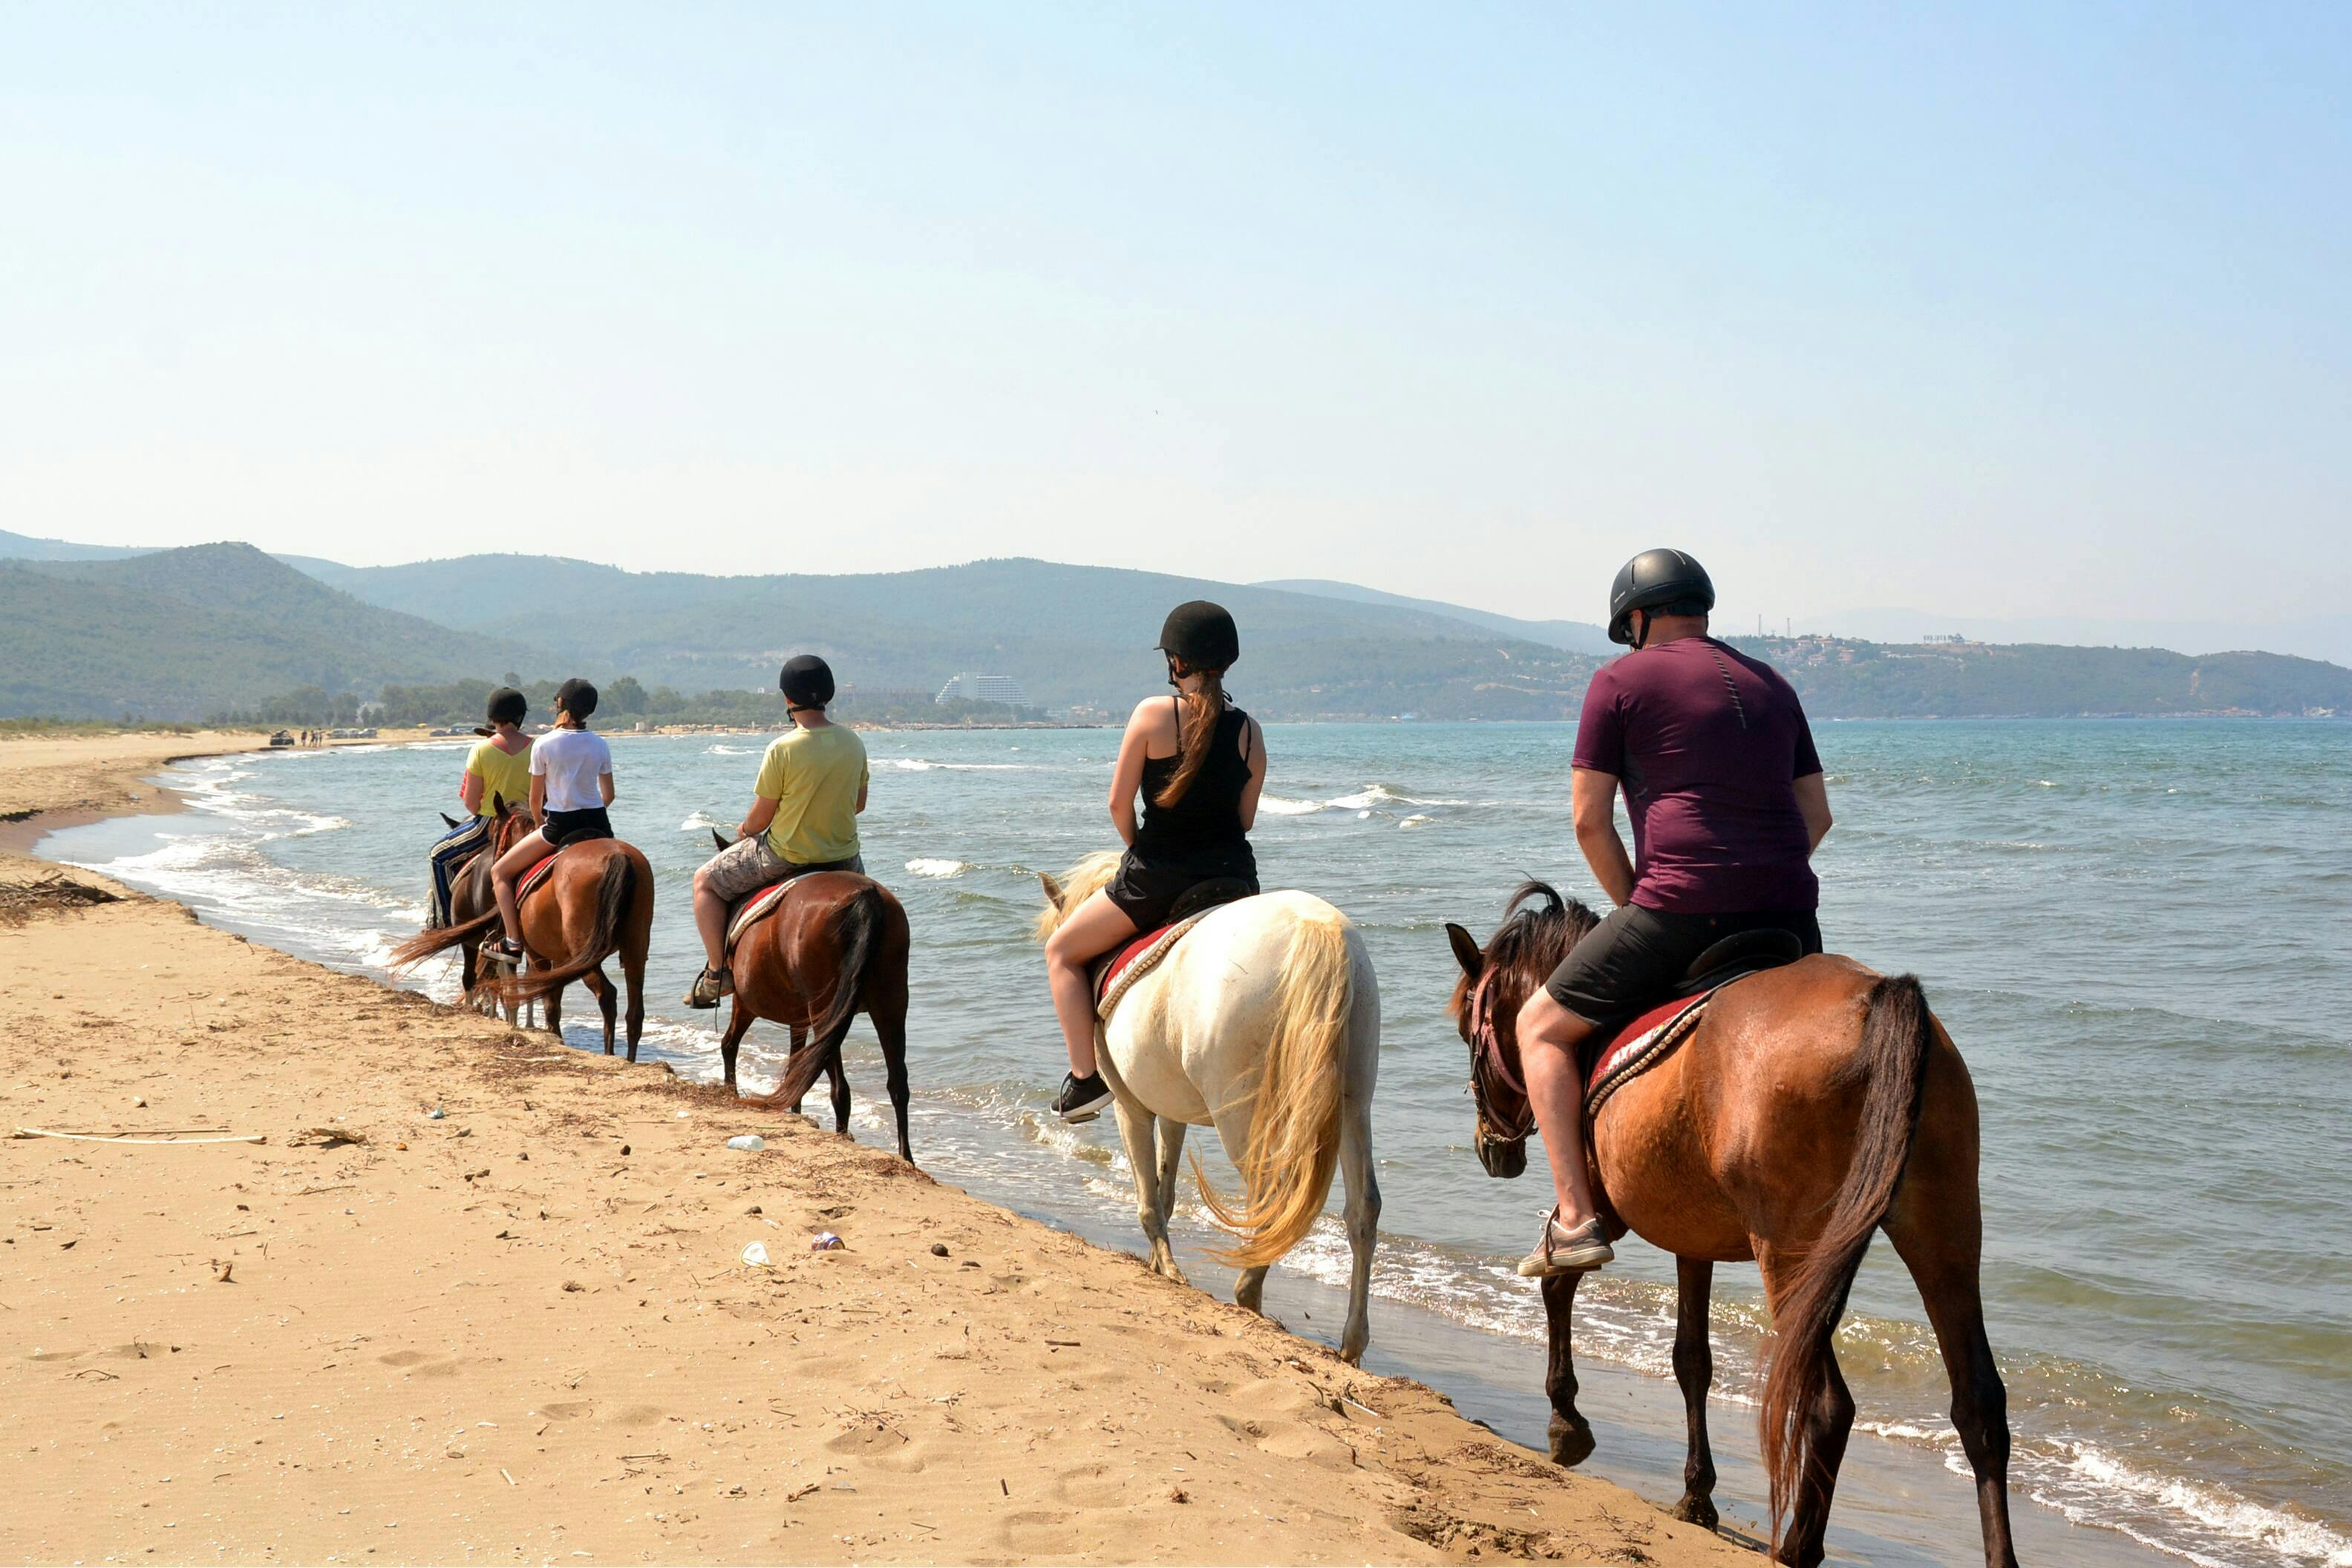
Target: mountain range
{"points": [[97, 631]]}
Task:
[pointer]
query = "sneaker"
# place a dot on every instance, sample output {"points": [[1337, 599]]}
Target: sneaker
{"points": [[1082, 1098], [1566, 1251], [708, 987]]}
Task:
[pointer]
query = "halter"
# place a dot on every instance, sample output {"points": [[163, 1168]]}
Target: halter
{"points": [[1488, 1062]]}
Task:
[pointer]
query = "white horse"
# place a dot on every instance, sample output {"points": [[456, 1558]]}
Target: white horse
{"points": [[1265, 1022]]}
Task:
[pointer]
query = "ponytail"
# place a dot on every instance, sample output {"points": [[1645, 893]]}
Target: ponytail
{"points": [[1197, 732]]}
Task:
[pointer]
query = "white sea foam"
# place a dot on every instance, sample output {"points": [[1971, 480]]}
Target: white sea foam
{"points": [[1276, 806], [727, 751], [929, 868], [701, 821], [925, 765]]}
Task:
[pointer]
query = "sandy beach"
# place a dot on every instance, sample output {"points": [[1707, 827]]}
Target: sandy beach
{"points": [[477, 1297]]}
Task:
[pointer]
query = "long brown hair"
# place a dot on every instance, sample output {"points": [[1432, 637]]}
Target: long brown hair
{"points": [[1196, 729]]}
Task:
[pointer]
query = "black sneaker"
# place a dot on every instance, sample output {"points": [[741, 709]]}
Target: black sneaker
{"points": [[1082, 1098], [505, 955]]}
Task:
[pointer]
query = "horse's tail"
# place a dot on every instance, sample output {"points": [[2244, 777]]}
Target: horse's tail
{"points": [[440, 939], [858, 926], [1897, 1031], [1294, 1125], [614, 896]]}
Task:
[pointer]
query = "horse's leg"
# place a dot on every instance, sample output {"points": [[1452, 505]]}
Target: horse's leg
{"points": [[1694, 1371], [600, 985], [1135, 1131], [1170, 1134], [1827, 1425], [800, 1044], [1571, 1433], [738, 1024], [1234, 1133], [633, 975], [840, 1094], [1363, 1217]]}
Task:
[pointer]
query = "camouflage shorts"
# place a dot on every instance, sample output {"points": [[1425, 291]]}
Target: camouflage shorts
{"points": [[748, 865]]}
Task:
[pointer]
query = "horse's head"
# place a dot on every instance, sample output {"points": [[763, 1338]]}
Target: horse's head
{"points": [[507, 824], [1074, 887], [1496, 979]]}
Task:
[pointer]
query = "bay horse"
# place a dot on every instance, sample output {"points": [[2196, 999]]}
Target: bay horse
{"points": [[1265, 1022], [470, 894], [836, 946], [596, 902], [1812, 1106]]}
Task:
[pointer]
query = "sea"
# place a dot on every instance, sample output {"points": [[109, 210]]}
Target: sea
{"points": [[2138, 933]]}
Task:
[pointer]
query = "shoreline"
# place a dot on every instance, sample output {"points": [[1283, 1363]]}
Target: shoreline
{"points": [[717, 1411]]}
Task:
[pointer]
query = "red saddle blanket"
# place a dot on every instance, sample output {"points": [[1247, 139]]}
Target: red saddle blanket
{"points": [[1640, 1045], [754, 909], [536, 875], [1130, 963]]}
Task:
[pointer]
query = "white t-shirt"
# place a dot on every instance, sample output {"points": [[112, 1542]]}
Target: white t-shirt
{"points": [[571, 761]]}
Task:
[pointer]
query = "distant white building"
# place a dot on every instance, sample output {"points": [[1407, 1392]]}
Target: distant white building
{"points": [[971, 687]]}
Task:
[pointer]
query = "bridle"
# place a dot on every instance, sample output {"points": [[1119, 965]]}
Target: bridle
{"points": [[1488, 1065]]}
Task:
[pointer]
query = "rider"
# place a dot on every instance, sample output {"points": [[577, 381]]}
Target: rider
{"points": [[571, 786], [497, 769], [1199, 763], [1727, 804], [804, 817]]}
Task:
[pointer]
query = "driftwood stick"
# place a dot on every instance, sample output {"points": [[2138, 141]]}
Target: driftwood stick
{"points": [[94, 1138]]}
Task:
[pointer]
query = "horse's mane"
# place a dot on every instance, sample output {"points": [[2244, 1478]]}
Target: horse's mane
{"points": [[1078, 883], [1538, 928]]}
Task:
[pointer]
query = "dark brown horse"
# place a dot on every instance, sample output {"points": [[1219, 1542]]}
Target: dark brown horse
{"points": [[597, 901], [1812, 1106], [470, 894], [835, 947]]}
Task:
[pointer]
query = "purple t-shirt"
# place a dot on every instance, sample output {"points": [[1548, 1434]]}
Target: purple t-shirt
{"points": [[1707, 743]]}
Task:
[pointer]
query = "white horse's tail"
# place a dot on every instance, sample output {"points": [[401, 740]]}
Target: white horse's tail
{"points": [[1294, 1125]]}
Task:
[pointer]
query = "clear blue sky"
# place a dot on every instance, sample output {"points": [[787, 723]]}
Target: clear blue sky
{"points": [[2009, 310]]}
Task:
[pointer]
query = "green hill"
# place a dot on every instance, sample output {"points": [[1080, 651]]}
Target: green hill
{"points": [[178, 634]]}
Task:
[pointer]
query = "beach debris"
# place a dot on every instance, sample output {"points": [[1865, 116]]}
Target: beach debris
{"points": [[754, 1209], [1178, 1494], [509, 1476], [96, 1138], [625, 1150], [573, 1285], [756, 1255], [140, 1101], [749, 1142], [327, 1137], [799, 1492], [825, 1241], [19, 902], [939, 1249], [971, 1263], [224, 1268], [436, 1114]]}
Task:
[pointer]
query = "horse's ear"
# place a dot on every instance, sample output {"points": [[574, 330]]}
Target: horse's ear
{"points": [[719, 838], [1053, 889], [450, 820], [498, 805], [1465, 949]]}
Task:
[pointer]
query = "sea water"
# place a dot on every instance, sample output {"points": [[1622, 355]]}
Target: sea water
{"points": [[2136, 932]]}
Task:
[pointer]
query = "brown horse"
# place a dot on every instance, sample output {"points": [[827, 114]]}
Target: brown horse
{"points": [[835, 947], [470, 894], [597, 901], [1812, 1106]]}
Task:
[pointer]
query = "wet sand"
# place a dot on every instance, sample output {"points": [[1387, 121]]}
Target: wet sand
{"points": [[522, 1330]]}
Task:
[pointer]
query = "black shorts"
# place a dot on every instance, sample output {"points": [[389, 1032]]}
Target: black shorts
{"points": [[562, 827], [1147, 888], [1632, 960]]}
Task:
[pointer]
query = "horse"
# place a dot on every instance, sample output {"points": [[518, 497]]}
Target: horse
{"points": [[1812, 1106], [470, 894], [835, 946], [597, 901], [1265, 1022]]}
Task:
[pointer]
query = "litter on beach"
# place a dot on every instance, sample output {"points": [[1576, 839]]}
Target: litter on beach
{"points": [[825, 1241], [749, 1142], [756, 1255]]}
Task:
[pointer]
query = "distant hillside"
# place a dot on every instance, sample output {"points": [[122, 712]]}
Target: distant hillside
{"points": [[1842, 679], [24, 547], [1576, 636], [1073, 636], [178, 634]]}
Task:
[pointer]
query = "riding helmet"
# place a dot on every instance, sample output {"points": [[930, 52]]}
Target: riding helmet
{"points": [[506, 706], [806, 682], [1201, 636], [1651, 581], [577, 697]]}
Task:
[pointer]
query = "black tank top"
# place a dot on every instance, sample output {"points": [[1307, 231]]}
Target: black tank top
{"points": [[1209, 817]]}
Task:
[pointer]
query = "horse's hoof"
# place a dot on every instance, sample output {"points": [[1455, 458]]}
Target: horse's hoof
{"points": [[1696, 1508], [1352, 1357], [1571, 1445]]}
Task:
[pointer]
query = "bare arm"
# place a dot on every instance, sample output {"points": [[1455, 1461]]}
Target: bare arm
{"points": [[1814, 804], [1250, 790], [1592, 797], [861, 797], [604, 787], [1150, 715], [469, 789], [539, 797], [756, 820]]}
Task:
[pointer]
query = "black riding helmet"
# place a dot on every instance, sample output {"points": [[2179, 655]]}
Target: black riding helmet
{"points": [[506, 706], [806, 682], [577, 697], [1652, 581], [1201, 636]]}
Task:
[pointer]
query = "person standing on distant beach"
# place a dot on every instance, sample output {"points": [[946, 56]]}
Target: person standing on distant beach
{"points": [[497, 770], [1725, 790], [571, 786], [811, 791], [1199, 762]]}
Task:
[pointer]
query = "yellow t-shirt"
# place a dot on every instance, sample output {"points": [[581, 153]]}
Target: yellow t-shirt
{"points": [[502, 776], [813, 776]]}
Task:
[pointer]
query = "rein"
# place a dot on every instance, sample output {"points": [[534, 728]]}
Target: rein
{"points": [[1488, 1062]]}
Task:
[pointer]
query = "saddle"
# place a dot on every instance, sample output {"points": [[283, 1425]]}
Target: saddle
{"points": [[1117, 972], [536, 875], [1612, 1061]]}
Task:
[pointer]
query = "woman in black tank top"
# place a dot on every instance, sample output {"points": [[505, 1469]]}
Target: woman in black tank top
{"points": [[1198, 763]]}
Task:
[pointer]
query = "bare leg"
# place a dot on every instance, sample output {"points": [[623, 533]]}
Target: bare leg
{"points": [[528, 851], [1694, 1371], [1548, 1036], [709, 920], [1571, 1433], [1093, 929]]}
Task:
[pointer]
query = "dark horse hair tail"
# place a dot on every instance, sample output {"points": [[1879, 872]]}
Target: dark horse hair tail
{"points": [[425, 943], [1897, 1031], [859, 927], [614, 895]]}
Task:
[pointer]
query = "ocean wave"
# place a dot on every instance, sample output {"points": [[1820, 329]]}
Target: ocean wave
{"points": [[1371, 797], [701, 821], [922, 867], [727, 751], [2216, 1519], [925, 765]]}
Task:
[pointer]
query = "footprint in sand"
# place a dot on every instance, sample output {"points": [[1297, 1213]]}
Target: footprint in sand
{"points": [[568, 1410], [1094, 1486], [1037, 1532], [637, 1415], [403, 1358]]}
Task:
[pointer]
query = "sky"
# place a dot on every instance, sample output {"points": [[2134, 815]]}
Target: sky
{"points": [[1996, 311]]}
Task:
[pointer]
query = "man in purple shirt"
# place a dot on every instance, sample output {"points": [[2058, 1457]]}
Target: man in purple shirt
{"points": [[1717, 763]]}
